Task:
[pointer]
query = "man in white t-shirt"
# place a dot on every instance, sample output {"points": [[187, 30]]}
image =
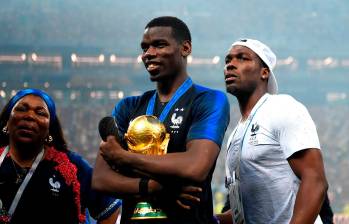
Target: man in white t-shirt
{"points": [[275, 172]]}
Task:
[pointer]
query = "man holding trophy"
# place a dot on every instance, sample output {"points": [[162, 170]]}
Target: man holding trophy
{"points": [[172, 137]]}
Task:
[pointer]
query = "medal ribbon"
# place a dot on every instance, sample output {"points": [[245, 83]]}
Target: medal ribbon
{"points": [[25, 181], [179, 92]]}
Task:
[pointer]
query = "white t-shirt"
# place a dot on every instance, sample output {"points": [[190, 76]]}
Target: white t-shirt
{"points": [[280, 127]]}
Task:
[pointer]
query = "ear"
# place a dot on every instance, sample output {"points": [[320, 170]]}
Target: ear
{"points": [[186, 48], [265, 73]]}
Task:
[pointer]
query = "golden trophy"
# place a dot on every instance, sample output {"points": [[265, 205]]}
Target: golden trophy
{"points": [[147, 135]]}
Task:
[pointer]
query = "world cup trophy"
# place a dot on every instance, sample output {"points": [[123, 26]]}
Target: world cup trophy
{"points": [[147, 135]]}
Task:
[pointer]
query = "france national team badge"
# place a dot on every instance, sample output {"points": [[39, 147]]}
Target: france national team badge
{"points": [[176, 120], [253, 137], [55, 185]]}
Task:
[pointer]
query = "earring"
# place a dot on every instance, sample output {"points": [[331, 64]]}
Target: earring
{"points": [[49, 139], [5, 130]]}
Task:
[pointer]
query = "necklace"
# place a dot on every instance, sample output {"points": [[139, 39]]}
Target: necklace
{"points": [[20, 174], [23, 184]]}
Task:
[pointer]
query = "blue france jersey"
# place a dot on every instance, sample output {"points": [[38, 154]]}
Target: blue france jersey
{"points": [[200, 113]]}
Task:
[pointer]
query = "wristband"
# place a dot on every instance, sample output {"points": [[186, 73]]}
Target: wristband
{"points": [[143, 186]]}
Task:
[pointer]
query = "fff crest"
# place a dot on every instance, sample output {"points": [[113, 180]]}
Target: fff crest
{"points": [[176, 119]]}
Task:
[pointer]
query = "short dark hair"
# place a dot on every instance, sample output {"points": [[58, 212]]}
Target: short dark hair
{"points": [[180, 30]]}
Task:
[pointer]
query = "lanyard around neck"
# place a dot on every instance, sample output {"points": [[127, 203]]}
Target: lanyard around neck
{"points": [[249, 121], [179, 92], [25, 181]]}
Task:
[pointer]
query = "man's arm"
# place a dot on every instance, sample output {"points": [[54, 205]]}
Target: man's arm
{"points": [[194, 164], [225, 217], [326, 212], [108, 180], [309, 168]]}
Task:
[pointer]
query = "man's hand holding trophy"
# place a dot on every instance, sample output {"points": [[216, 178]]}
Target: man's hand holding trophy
{"points": [[145, 135]]}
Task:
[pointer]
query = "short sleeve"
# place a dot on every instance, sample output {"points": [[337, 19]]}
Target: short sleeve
{"points": [[99, 205], [298, 130], [122, 112], [210, 117]]}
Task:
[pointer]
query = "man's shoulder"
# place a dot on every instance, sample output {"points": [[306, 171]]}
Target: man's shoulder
{"points": [[284, 102], [128, 103], [209, 95], [137, 98], [282, 98], [283, 108], [204, 89]]}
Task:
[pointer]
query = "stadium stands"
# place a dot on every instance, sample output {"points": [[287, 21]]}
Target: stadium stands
{"points": [[87, 57]]}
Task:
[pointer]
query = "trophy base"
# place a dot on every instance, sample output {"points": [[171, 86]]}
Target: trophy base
{"points": [[144, 211]]}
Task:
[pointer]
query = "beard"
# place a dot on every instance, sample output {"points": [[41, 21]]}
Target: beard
{"points": [[232, 90]]}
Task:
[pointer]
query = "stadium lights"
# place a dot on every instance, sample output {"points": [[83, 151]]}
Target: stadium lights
{"points": [[121, 94], [23, 57], [135, 93], [190, 59], [335, 96], [2, 93], [89, 60], [74, 58], [73, 95], [52, 60], [13, 92], [289, 60], [101, 58], [113, 95], [98, 94], [328, 61], [34, 57], [139, 59], [215, 60], [13, 58], [203, 61], [112, 58]]}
